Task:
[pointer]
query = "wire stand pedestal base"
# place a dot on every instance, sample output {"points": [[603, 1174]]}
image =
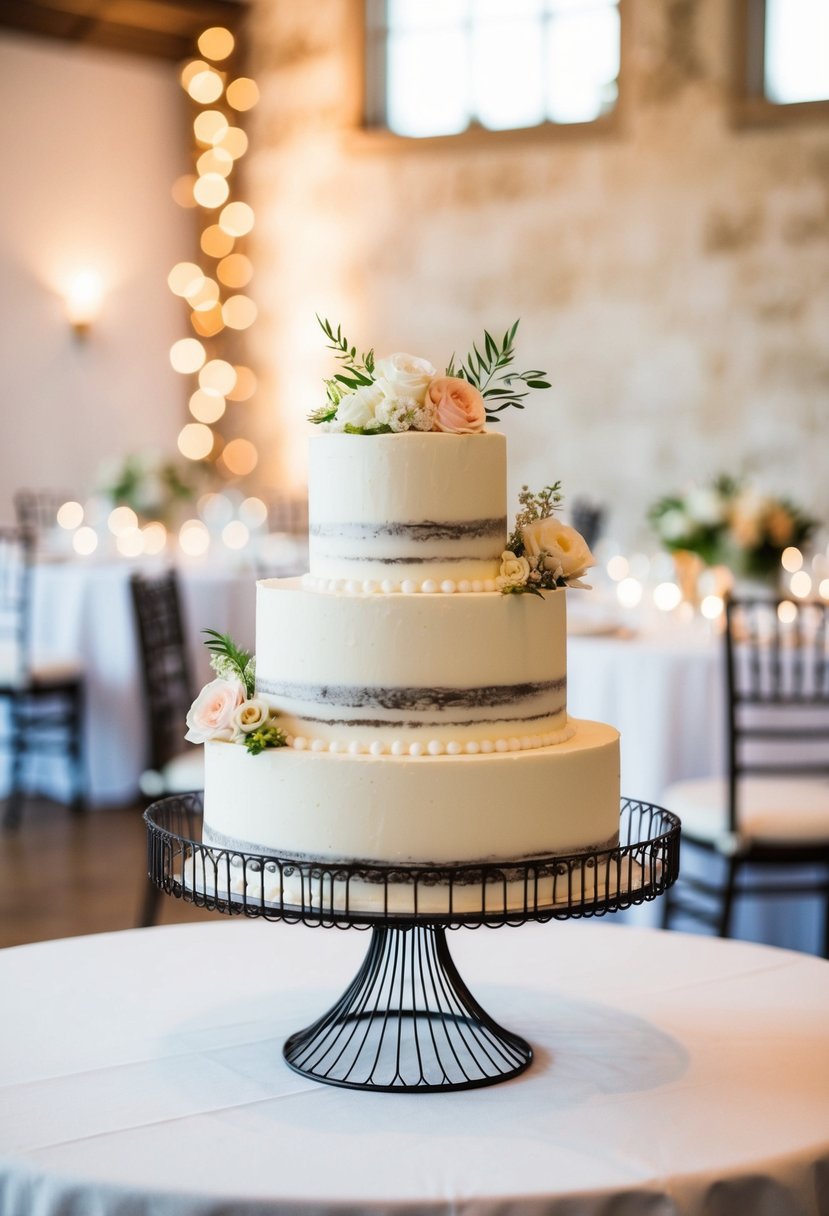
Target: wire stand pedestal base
{"points": [[407, 1022]]}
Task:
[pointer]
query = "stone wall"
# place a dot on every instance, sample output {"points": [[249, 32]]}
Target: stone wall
{"points": [[671, 275]]}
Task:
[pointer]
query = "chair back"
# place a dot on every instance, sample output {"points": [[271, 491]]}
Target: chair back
{"points": [[168, 685], [777, 673], [15, 605], [588, 518], [36, 511]]}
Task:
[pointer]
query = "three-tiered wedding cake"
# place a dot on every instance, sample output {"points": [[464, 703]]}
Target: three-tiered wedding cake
{"points": [[424, 710], [408, 707]]}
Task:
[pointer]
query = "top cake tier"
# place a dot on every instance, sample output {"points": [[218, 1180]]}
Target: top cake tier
{"points": [[407, 507]]}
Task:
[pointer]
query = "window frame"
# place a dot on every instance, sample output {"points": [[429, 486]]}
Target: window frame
{"points": [[750, 105], [372, 110]]}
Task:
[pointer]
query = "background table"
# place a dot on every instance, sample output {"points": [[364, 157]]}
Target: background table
{"points": [[664, 690], [141, 1073], [82, 612]]}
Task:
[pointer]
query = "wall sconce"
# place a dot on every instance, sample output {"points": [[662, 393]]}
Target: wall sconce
{"points": [[82, 299]]}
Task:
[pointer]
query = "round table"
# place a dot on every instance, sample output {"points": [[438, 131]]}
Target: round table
{"points": [[141, 1072]]}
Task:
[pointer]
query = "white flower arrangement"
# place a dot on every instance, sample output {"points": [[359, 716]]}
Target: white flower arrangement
{"points": [[729, 524], [227, 708], [403, 392], [542, 552]]}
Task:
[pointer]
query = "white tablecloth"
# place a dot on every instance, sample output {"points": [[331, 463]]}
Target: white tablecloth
{"points": [[82, 612], [142, 1075]]}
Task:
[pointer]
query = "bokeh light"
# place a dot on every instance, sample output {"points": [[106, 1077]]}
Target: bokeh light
{"points": [[711, 607], [235, 534], [85, 541], [823, 589], [240, 457], [183, 190], [242, 93], [206, 407], [205, 298], [211, 191], [195, 441], [254, 512], [239, 312], [185, 278], [208, 322], [666, 596], [122, 519], [246, 384], [801, 584], [194, 538], [237, 219], [235, 270], [217, 377], [234, 141], [215, 509], [215, 242], [130, 542], [191, 70], [786, 612], [216, 42], [205, 86], [215, 160], [618, 567], [629, 592], [70, 515], [209, 126], [792, 559], [155, 537], [187, 355]]}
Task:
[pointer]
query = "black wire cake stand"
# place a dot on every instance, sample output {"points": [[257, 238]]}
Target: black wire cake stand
{"points": [[407, 1021]]}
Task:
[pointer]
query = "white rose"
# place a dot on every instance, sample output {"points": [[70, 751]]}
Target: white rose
{"points": [[514, 571], [251, 714], [705, 506], [360, 407], [674, 525], [403, 375], [563, 549], [211, 714]]}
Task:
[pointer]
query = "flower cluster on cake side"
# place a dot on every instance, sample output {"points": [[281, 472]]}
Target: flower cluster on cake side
{"points": [[228, 708], [543, 553]]}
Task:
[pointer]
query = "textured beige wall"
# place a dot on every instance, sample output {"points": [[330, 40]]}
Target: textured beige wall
{"points": [[671, 275]]}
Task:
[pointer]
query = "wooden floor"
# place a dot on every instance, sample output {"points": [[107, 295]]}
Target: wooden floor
{"points": [[62, 875]]}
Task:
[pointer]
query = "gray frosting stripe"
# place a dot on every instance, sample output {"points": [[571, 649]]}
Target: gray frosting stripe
{"points": [[431, 559], [424, 530], [421, 700], [427, 723]]}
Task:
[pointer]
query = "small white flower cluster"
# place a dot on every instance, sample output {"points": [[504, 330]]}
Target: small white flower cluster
{"points": [[397, 399]]}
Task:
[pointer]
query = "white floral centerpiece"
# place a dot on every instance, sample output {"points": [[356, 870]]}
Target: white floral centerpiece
{"points": [[542, 552], [227, 708], [402, 392]]}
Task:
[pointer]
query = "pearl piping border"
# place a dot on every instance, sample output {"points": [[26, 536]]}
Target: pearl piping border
{"points": [[388, 586], [432, 747]]}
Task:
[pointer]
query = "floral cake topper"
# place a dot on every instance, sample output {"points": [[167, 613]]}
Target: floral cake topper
{"points": [[543, 553], [402, 392], [227, 708]]}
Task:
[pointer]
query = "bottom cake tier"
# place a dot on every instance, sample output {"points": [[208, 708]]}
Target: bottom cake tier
{"points": [[423, 811]]}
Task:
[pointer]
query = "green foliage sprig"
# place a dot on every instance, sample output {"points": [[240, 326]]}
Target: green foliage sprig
{"points": [[486, 371], [534, 504], [230, 661], [357, 371], [269, 735]]}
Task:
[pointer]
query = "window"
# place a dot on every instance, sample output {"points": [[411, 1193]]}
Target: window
{"points": [[782, 59], [441, 67], [796, 51]]}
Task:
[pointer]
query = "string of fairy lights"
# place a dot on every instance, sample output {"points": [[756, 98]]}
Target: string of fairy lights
{"points": [[214, 288]]}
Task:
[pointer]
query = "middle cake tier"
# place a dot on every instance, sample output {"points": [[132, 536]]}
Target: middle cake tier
{"points": [[413, 674]]}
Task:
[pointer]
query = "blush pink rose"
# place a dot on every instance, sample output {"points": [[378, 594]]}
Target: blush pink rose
{"points": [[211, 714], [459, 407]]}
